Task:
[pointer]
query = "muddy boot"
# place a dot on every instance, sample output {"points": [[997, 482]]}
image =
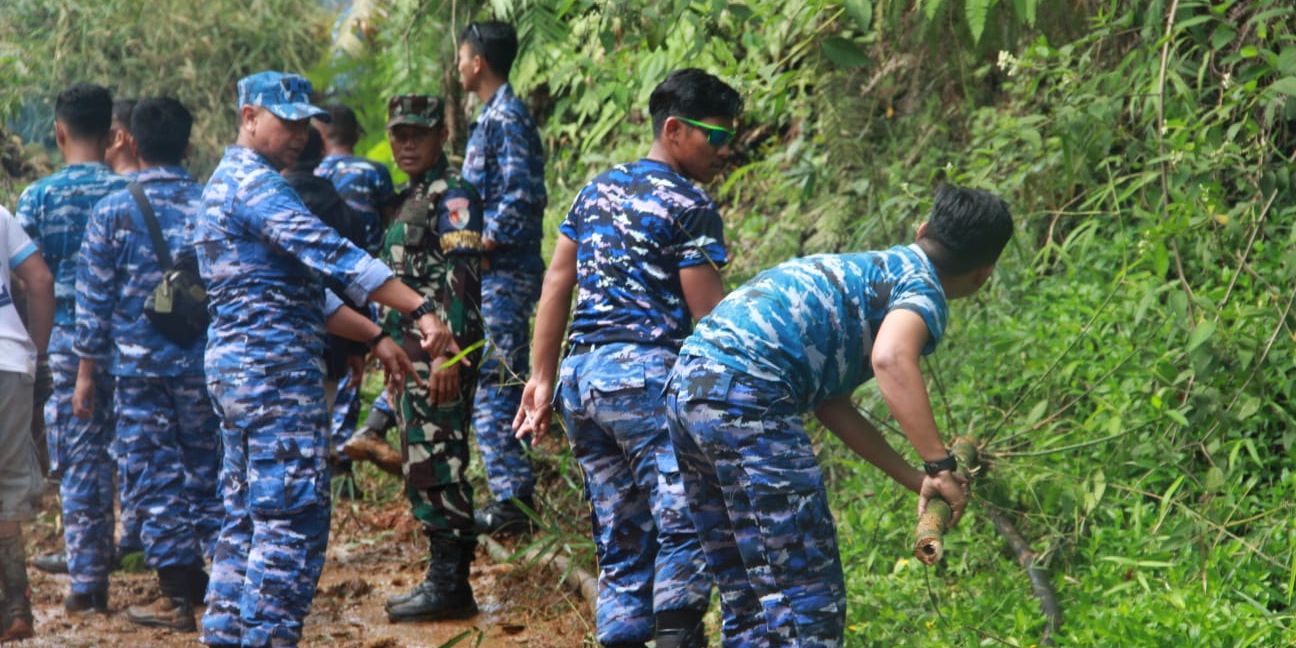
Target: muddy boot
{"points": [[445, 592], [680, 629], [17, 612], [51, 563], [368, 444], [96, 601], [504, 517], [172, 610]]}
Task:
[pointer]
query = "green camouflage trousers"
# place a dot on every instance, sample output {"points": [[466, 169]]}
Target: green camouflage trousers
{"points": [[434, 447]]}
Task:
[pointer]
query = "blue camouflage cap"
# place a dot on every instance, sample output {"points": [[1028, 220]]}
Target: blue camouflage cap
{"points": [[285, 95]]}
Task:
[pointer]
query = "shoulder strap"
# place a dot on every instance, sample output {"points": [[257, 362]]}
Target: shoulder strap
{"points": [[155, 231]]}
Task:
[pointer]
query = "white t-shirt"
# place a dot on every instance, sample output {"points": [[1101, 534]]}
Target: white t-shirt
{"points": [[17, 352]]}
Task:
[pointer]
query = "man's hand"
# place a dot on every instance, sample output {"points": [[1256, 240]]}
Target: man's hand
{"points": [[356, 367], [396, 365], [948, 486], [83, 397], [443, 384], [437, 338], [535, 411]]}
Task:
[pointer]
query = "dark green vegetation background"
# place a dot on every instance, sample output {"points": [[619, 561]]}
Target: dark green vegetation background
{"points": [[1130, 363]]}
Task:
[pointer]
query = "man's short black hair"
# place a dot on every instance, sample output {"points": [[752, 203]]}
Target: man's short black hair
{"points": [[160, 126], [121, 113], [343, 127], [968, 229], [694, 94], [494, 41], [85, 109]]}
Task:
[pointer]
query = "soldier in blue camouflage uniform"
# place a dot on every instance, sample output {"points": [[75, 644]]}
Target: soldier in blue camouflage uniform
{"points": [[645, 247], [435, 246], [54, 212], [800, 338], [263, 257], [366, 186], [505, 162], [166, 429]]}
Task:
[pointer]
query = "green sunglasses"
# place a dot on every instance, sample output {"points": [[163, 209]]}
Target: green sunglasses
{"points": [[717, 136]]}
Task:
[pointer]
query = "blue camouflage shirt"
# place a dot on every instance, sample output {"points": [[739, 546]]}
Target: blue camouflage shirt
{"points": [[53, 211], [636, 226], [505, 163], [118, 270], [365, 186], [262, 255], [808, 323]]}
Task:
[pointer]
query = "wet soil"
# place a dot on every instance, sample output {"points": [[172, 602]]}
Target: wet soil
{"points": [[375, 551]]}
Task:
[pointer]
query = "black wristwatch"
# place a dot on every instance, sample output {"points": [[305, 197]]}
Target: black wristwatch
{"points": [[426, 307], [373, 341], [935, 467]]}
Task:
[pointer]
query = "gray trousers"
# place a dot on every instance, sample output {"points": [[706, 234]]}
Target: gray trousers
{"points": [[20, 472]]}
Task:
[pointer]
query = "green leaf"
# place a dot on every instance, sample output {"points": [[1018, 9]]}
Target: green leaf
{"points": [[977, 12], [931, 7], [1200, 334], [1036, 412], [861, 11], [843, 52], [1285, 85], [1177, 417], [462, 354]]}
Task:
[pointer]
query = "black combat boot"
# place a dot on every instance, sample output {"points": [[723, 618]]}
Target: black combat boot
{"points": [[680, 629], [196, 585], [444, 592], [91, 601], [51, 563], [504, 517], [17, 612], [172, 610]]}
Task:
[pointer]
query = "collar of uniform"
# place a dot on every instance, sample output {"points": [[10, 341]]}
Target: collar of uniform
{"points": [[437, 172], [161, 174], [246, 154], [659, 164], [927, 263], [502, 96]]}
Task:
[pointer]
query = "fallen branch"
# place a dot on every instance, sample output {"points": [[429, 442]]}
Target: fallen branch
{"points": [[929, 536], [1041, 587], [576, 578]]}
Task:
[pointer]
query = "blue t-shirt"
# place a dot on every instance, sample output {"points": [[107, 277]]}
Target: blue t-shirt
{"points": [[808, 323], [365, 186], [635, 227]]}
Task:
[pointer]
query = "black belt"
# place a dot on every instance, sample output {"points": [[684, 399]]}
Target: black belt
{"points": [[578, 349]]}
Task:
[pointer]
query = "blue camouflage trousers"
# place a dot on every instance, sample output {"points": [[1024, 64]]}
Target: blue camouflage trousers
{"points": [[169, 441], [79, 454], [649, 556], [508, 299], [275, 483], [346, 411], [131, 524], [757, 498]]}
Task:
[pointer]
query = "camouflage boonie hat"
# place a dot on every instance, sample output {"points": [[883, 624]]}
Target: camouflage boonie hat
{"points": [[285, 95], [415, 110]]}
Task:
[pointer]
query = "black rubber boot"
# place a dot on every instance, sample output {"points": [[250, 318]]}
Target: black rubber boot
{"points": [[96, 601], [17, 612], [196, 584], [680, 629], [51, 563], [504, 517], [445, 592], [172, 610]]}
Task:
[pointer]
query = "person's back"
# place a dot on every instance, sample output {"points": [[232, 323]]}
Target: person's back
{"points": [[365, 185], [772, 327], [54, 212], [635, 225]]}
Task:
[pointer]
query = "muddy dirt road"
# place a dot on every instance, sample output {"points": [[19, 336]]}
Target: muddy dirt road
{"points": [[374, 552]]}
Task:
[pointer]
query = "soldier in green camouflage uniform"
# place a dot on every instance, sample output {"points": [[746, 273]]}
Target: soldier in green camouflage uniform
{"points": [[435, 246]]}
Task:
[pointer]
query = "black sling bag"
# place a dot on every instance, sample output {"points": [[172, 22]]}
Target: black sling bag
{"points": [[177, 308]]}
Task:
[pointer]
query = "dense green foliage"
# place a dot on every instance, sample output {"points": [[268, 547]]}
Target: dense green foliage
{"points": [[1131, 363]]}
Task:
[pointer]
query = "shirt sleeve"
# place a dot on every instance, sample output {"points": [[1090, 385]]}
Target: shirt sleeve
{"points": [[699, 238], [96, 286], [282, 220], [508, 220], [459, 225], [918, 294], [459, 222], [28, 212], [19, 244], [332, 303], [385, 188]]}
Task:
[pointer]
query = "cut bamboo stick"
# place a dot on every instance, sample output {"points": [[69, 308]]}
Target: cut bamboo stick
{"points": [[929, 536]]}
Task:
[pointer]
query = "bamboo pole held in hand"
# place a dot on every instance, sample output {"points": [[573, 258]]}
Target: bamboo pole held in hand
{"points": [[929, 543]]}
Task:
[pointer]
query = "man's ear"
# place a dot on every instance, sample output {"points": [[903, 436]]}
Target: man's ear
{"points": [[133, 146], [922, 231], [247, 118], [60, 134], [671, 130]]}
